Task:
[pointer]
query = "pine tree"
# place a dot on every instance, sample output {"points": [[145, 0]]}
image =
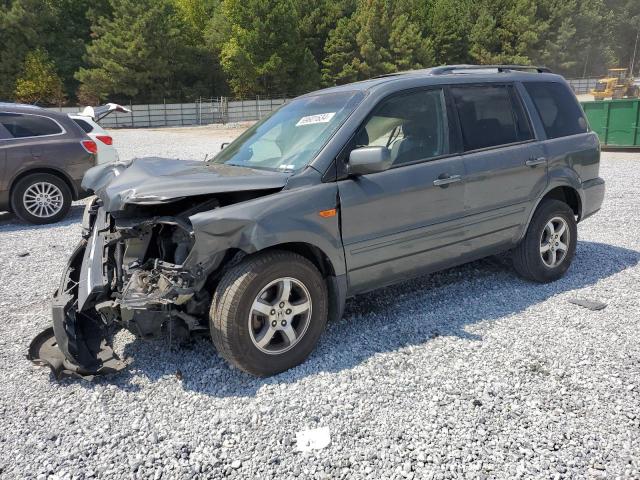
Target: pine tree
{"points": [[382, 36], [505, 32], [142, 51], [317, 18], [624, 31], [449, 24], [340, 64], [39, 83], [24, 27], [266, 53]]}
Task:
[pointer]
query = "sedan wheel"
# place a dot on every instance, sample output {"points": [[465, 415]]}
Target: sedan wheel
{"points": [[43, 200]]}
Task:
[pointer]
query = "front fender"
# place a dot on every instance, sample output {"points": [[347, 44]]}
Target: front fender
{"points": [[283, 217]]}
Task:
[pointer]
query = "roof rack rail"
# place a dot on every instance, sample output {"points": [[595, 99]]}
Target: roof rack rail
{"points": [[16, 105], [448, 69]]}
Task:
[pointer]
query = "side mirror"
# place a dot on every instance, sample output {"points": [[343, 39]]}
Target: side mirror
{"points": [[369, 160], [224, 145]]}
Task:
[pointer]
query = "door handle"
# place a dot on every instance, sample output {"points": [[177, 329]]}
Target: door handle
{"points": [[443, 180], [532, 162]]}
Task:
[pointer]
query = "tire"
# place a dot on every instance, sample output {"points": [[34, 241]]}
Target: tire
{"points": [[528, 258], [56, 198], [237, 328]]}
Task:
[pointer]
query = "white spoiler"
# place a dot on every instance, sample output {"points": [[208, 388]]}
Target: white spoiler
{"points": [[102, 111]]}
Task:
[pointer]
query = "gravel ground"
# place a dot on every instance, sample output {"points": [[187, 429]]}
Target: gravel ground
{"points": [[469, 373]]}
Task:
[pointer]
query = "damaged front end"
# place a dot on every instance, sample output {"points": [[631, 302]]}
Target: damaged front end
{"points": [[129, 271]]}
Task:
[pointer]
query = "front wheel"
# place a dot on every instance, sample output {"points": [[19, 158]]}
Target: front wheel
{"points": [[268, 312], [546, 251]]}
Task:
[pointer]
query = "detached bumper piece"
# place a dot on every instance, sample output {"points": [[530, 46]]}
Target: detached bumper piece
{"points": [[44, 351], [77, 344]]}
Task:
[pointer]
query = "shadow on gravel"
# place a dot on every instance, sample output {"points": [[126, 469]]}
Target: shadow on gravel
{"points": [[410, 313], [10, 223]]}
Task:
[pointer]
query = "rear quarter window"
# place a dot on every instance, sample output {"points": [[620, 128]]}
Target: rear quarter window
{"points": [[24, 125], [83, 124], [558, 109]]}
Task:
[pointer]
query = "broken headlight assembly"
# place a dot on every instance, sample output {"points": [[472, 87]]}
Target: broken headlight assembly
{"points": [[127, 272]]}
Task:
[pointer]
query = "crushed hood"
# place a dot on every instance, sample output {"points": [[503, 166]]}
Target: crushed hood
{"points": [[155, 180]]}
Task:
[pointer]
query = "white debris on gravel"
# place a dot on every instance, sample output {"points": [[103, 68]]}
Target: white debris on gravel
{"points": [[468, 373], [314, 439]]}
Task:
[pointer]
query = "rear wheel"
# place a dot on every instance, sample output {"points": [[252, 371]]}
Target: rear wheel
{"points": [[546, 251], [41, 198], [268, 312]]}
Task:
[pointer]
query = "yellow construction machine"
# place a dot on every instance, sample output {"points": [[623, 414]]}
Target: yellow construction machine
{"points": [[617, 84]]}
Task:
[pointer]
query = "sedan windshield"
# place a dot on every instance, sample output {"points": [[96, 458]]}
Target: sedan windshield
{"points": [[292, 136]]}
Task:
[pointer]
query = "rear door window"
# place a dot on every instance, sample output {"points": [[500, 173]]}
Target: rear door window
{"points": [[558, 109], [23, 125], [490, 116]]}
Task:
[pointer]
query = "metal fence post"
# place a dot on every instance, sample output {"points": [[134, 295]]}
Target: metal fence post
{"points": [[164, 102]]}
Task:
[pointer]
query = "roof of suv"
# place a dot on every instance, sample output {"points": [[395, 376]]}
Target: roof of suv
{"points": [[33, 110], [449, 73]]}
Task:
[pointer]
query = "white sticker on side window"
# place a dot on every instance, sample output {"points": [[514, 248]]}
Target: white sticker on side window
{"points": [[313, 119]]}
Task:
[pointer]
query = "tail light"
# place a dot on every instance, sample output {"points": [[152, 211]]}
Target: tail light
{"points": [[106, 139], [90, 146]]}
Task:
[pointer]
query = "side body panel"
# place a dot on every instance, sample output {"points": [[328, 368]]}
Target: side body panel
{"points": [[289, 216], [397, 223], [500, 188], [568, 157]]}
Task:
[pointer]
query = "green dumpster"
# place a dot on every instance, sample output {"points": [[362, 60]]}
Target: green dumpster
{"points": [[615, 121]]}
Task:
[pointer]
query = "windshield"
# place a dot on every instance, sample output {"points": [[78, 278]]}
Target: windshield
{"points": [[291, 137]]}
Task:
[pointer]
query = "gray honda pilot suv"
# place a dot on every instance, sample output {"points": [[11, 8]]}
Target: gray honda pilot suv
{"points": [[338, 192]]}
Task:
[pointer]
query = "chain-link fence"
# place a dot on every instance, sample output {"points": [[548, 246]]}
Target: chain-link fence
{"points": [[582, 85], [217, 110]]}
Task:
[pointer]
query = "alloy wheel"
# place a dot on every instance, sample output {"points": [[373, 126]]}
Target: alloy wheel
{"points": [[554, 242], [43, 199], [280, 315]]}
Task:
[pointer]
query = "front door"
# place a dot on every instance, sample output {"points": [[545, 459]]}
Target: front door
{"points": [[405, 220]]}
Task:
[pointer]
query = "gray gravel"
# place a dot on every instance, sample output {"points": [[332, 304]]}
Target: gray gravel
{"points": [[469, 373]]}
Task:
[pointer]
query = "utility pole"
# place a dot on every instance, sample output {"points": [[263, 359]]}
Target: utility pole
{"points": [[635, 49], [586, 62]]}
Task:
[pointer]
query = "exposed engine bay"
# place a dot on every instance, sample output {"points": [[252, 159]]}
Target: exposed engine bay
{"points": [[129, 272]]}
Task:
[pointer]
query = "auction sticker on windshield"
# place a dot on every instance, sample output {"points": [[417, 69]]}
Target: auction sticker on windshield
{"points": [[313, 119]]}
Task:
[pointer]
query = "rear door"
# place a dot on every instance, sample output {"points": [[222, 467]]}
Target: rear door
{"points": [[405, 220], [506, 166], [4, 145]]}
